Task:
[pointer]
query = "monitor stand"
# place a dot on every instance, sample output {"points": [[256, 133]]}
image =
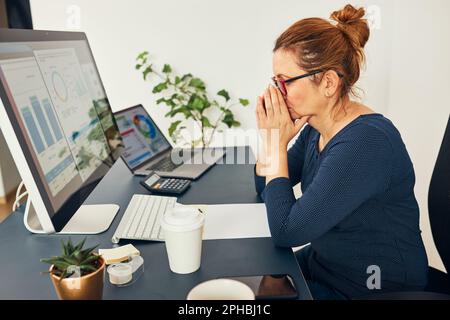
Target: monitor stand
{"points": [[89, 219]]}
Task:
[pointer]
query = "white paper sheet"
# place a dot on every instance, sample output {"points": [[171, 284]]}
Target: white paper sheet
{"points": [[235, 221]]}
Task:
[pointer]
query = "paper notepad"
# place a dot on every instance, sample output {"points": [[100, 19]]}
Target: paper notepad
{"points": [[235, 221], [119, 254]]}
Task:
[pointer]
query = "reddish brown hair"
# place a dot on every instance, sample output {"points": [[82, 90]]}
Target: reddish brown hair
{"points": [[319, 44]]}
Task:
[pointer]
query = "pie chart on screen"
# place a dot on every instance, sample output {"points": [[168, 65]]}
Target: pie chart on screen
{"points": [[59, 86], [145, 126]]}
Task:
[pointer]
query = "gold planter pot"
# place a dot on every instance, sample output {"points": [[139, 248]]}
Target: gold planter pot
{"points": [[88, 287]]}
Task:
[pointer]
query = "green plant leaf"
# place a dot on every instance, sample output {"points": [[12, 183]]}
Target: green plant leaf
{"points": [[244, 102], [88, 268], [51, 260], [197, 83], [147, 70], [224, 94], [142, 55], [63, 275], [173, 127], [182, 109], [226, 111], [64, 248], [160, 100], [207, 103], [168, 102], [61, 265], [88, 250], [80, 245], [186, 76], [206, 123], [71, 260], [78, 256], [177, 80], [228, 119], [89, 259], [167, 69], [160, 87], [69, 246], [171, 113], [138, 66], [198, 103]]}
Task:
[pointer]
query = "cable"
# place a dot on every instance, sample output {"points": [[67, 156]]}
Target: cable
{"points": [[17, 204], [19, 196], [19, 188]]}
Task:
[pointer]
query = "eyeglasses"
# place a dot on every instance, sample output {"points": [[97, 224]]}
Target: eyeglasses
{"points": [[281, 83]]}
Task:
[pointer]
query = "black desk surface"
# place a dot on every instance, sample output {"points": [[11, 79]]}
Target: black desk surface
{"points": [[20, 251]]}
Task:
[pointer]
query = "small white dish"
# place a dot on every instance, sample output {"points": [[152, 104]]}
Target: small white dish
{"points": [[221, 289]]}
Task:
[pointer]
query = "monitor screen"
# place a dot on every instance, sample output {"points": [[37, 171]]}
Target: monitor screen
{"points": [[141, 137], [54, 97]]}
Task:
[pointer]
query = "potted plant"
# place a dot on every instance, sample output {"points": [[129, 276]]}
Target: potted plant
{"points": [[187, 97], [77, 274]]}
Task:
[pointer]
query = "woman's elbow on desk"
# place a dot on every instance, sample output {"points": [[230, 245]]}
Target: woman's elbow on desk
{"points": [[282, 237], [286, 241]]}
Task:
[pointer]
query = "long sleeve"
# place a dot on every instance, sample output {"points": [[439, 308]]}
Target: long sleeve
{"points": [[296, 158], [354, 169]]}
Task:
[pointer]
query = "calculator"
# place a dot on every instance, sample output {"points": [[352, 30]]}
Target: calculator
{"points": [[157, 184]]}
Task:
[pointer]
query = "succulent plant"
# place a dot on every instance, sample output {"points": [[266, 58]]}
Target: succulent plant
{"points": [[74, 257]]}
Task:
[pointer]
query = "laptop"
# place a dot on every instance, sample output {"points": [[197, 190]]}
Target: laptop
{"points": [[148, 151]]}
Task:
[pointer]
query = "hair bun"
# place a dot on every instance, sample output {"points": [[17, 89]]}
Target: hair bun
{"points": [[350, 20], [348, 15]]}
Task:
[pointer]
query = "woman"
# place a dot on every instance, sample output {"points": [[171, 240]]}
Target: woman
{"points": [[357, 210]]}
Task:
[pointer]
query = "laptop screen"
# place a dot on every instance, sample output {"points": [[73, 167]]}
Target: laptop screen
{"points": [[141, 137]]}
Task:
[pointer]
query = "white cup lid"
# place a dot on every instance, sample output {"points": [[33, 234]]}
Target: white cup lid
{"points": [[182, 219]]}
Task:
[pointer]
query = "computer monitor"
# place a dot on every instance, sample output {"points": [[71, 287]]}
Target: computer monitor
{"points": [[59, 126]]}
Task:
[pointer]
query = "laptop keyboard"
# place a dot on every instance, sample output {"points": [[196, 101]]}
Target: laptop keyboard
{"points": [[165, 164]]}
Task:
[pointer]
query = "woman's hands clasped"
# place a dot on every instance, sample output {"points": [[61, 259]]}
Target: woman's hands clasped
{"points": [[274, 121], [276, 129]]}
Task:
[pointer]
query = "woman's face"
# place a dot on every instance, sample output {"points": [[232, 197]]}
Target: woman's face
{"points": [[302, 97]]}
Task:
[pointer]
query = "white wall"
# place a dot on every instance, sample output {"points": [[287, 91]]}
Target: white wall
{"points": [[419, 91], [229, 43]]}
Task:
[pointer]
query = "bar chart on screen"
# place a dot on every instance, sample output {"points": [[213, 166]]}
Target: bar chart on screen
{"points": [[41, 122]]}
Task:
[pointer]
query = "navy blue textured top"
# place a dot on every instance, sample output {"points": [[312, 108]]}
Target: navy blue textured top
{"points": [[357, 209]]}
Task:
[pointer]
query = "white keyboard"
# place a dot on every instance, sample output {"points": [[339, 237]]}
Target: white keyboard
{"points": [[142, 218]]}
